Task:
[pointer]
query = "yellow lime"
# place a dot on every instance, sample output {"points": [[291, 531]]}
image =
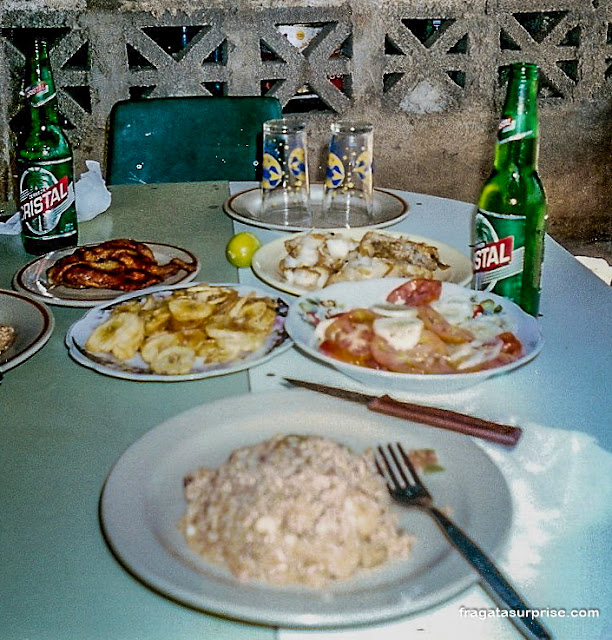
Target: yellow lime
{"points": [[241, 248]]}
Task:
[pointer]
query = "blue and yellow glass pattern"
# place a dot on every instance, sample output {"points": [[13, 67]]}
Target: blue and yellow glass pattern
{"points": [[334, 176], [272, 174], [297, 163], [363, 167]]}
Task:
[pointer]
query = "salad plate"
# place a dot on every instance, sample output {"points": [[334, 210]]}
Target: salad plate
{"points": [[32, 278], [308, 311], [245, 207], [267, 259], [142, 502]]}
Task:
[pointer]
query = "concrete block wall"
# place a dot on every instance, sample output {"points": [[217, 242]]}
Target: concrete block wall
{"points": [[426, 72]]}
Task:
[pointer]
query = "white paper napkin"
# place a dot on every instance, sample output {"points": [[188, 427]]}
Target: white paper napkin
{"points": [[562, 516], [91, 196]]}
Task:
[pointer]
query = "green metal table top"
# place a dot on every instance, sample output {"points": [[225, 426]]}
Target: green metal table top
{"points": [[62, 426]]}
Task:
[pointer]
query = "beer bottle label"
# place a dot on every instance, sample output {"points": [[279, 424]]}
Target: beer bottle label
{"points": [[46, 198], [499, 253], [39, 93], [513, 128]]}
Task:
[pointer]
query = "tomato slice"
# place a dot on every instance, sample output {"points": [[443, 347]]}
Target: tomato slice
{"points": [[353, 336], [426, 357], [337, 351], [349, 336], [512, 345], [416, 292], [511, 349], [438, 324]]}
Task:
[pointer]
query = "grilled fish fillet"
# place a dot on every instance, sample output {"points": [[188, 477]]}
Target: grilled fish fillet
{"points": [[400, 249]]}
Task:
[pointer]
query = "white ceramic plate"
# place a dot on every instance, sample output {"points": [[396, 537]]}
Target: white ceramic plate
{"points": [[142, 502], [266, 260], [246, 207], [32, 278], [349, 295], [136, 369], [33, 322]]}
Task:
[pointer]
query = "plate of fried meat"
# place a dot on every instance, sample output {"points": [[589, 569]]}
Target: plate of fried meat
{"points": [[96, 273]]}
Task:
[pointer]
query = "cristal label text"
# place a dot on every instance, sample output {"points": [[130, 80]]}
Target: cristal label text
{"points": [[45, 200], [493, 255]]}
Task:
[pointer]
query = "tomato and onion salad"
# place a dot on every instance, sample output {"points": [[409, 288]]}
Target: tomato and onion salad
{"points": [[431, 345]]}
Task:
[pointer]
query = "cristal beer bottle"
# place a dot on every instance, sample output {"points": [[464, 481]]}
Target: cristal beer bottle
{"points": [[44, 163], [510, 219]]}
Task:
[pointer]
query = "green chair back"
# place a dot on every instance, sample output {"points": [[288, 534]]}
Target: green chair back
{"points": [[187, 139]]}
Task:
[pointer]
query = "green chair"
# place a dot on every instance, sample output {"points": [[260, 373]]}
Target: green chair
{"points": [[187, 139]]}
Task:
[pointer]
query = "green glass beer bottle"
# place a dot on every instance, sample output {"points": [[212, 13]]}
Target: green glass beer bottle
{"points": [[509, 222], [44, 163]]}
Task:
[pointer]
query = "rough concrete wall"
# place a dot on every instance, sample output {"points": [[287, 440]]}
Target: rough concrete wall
{"points": [[425, 72]]}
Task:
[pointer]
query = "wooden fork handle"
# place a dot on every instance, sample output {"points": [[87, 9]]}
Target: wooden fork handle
{"points": [[496, 585], [446, 419]]}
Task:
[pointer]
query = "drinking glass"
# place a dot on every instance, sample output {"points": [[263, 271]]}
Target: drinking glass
{"points": [[348, 195], [284, 184]]}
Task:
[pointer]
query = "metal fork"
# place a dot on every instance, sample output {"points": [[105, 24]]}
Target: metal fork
{"points": [[406, 487]]}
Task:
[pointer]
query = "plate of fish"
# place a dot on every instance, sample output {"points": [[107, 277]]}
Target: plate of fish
{"points": [[95, 273], [309, 261]]}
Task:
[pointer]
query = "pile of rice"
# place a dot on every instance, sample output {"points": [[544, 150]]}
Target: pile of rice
{"points": [[293, 510]]}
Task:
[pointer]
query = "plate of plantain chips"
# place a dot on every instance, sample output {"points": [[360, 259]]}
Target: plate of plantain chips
{"points": [[182, 332]]}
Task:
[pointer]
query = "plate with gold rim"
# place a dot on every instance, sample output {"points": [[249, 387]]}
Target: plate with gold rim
{"points": [[276, 341], [32, 322], [32, 278], [245, 207]]}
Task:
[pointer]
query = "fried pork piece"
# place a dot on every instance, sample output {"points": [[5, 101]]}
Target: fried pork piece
{"points": [[121, 264], [81, 276], [364, 268], [326, 250], [7, 336]]}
